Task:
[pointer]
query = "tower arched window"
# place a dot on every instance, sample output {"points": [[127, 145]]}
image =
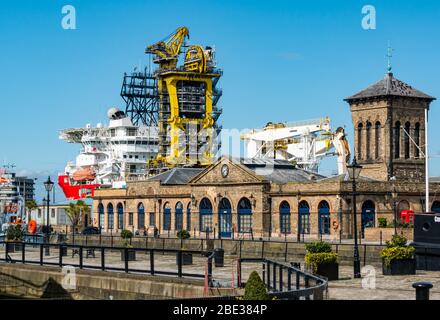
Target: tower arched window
{"points": [[377, 139], [406, 140], [397, 140], [417, 140], [359, 140], [368, 140]]}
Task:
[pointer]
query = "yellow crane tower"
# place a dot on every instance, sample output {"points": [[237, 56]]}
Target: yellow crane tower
{"points": [[187, 103]]}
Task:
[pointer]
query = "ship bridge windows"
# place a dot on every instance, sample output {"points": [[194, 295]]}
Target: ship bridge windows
{"points": [[131, 132]]}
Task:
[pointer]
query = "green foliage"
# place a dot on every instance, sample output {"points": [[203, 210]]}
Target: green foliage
{"points": [[318, 247], [31, 205], [396, 249], [126, 234], [183, 234], [397, 241], [255, 288], [382, 222], [314, 259], [75, 210], [389, 254], [14, 233]]}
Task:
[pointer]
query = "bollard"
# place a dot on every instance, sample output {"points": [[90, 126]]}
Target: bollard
{"points": [[422, 290]]}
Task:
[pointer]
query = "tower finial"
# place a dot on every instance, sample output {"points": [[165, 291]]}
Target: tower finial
{"points": [[389, 56]]}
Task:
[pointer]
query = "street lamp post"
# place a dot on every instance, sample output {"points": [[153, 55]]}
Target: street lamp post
{"points": [[394, 196], [354, 171], [48, 185]]}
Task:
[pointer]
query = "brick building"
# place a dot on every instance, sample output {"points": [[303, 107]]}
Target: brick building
{"points": [[251, 198]]}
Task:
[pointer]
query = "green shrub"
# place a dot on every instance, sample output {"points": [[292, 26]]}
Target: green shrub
{"points": [[389, 254], [314, 259], [255, 288], [318, 247], [14, 233], [183, 234], [396, 249], [397, 241], [382, 222], [126, 234]]}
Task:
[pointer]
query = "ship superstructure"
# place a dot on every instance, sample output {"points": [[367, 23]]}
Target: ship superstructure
{"points": [[303, 143], [110, 155]]}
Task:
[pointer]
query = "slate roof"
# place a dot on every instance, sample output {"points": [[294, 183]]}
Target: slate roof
{"points": [[279, 171], [177, 175], [389, 86]]}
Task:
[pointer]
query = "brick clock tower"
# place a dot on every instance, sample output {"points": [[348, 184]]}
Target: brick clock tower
{"points": [[389, 130]]}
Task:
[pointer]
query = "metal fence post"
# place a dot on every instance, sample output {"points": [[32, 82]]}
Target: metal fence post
{"points": [[285, 252], [126, 259], [281, 278], [102, 258], [179, 264], [23, 253], [60, 258], [81, 257], [41, 254], [274, 274], [210, 271], [264, 272], [152, 262], [289, 279]]}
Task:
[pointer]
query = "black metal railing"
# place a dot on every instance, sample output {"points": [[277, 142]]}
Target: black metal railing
{"points": [[288, 282], [59, 251]]}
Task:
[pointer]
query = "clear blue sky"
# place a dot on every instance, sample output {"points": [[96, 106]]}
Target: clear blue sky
{"points": [[282, 61]]}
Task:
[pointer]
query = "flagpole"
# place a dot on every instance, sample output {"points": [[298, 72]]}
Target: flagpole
{"points": [[426, 163]]}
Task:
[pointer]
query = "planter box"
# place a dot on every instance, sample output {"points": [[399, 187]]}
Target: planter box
{"points": [[328, 270], [399, 267], [131, 255], [187, 259]]}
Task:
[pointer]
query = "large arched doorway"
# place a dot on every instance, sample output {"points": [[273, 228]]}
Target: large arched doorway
{"points": [[324, 217], [178, 221], [167, 217], [141, 216], [101, 215], [120, 209], [304, 218], [225, 218], [368, 215], [244, 210], [110, 216], [205, 215], [435, 207], [285, 217]]}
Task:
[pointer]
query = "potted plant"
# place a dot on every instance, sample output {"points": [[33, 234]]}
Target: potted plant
{"points": [[398, 257], [322, 260], [131, 254], [14, 234], [255, 289], [186, 257], [382, 222]]}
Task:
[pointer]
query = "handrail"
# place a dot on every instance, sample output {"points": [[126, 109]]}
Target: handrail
{"points": [[272, 268]]}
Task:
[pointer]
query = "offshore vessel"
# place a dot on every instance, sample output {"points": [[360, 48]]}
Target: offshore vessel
{"points": [[110, 155], [170, 120]]}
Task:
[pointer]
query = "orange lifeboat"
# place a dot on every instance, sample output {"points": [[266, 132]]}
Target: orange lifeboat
{"points": [[32, 227], [86, 174]]}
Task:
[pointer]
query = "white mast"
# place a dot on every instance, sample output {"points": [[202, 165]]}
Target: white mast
{"points": [[426, 163]]}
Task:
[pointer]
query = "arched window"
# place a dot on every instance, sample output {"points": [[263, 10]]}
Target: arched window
{"points": [[406, 139], [359, 140], [417, 140], [368, 141], [397, 140], [304, 217], [141, 216], [205, 215], [324, 217], [285, 217], [368, 216], [378, 138], [178, 221], [120, 209], [225, 218], [188, 217], [435, 207], [111, 217], [166, 216], [101, 215], [244, 216]]}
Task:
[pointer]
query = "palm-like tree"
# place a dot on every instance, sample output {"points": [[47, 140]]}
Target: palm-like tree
{"points": [[75, 212], [30, 205]]}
